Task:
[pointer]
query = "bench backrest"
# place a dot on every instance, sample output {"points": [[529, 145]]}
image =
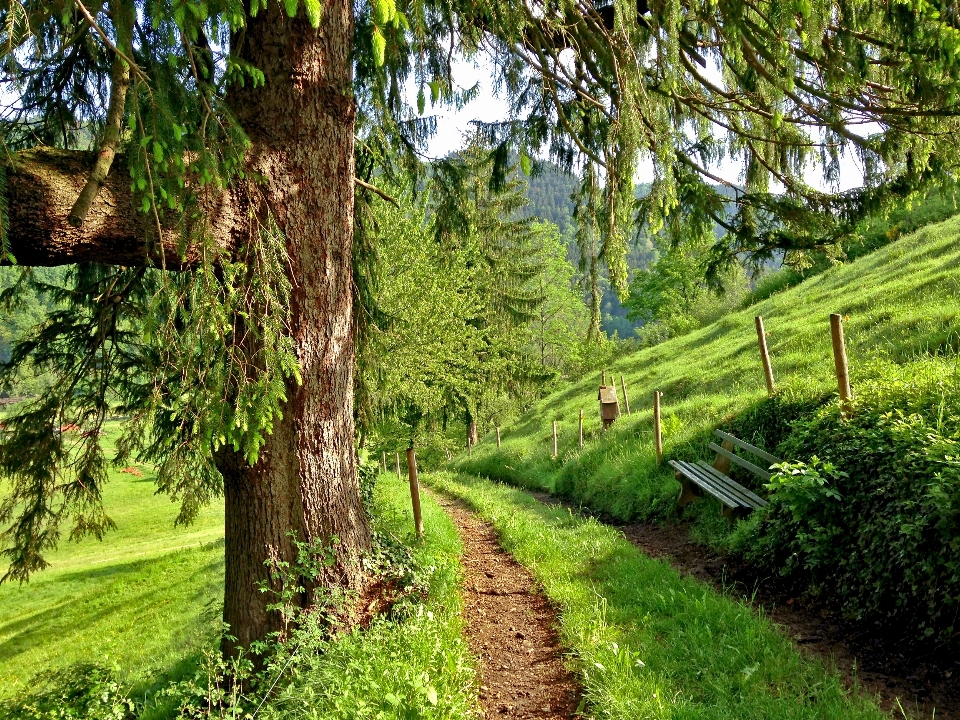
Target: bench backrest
{"points": [[745, 464]]}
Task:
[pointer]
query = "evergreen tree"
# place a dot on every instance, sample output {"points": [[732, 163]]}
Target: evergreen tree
{"points": [[219, 201]]}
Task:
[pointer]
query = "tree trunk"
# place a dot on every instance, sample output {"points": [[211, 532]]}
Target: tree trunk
{"points": [[301, 125], [472, 434]]}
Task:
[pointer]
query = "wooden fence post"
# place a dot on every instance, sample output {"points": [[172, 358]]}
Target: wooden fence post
{"points": [[399, 476], [415, 490], [498, 436], [840, 361], [554, 439], [603, 377], [626, 400], [764, 354], [657, 437], [581, 428]]}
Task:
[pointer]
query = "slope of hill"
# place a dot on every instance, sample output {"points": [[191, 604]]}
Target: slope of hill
{"points": [[901, 305]]}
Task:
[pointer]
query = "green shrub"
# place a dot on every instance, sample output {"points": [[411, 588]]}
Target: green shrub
{"points": [[82, 691], [868, 508]]}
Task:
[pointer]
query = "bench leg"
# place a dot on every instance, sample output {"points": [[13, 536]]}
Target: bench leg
{"points": [[688, 491], [733, 514]]}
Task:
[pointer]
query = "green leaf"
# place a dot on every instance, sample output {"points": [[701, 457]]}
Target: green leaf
{"points": [[291, 7], [525, 163], [314, 12], [431, 695], [434, 91], [379, 47], [382, 12], [421, 101]]}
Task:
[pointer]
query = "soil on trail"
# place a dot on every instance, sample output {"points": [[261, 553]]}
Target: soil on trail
{"points": [[511, 629], [875, 661]]}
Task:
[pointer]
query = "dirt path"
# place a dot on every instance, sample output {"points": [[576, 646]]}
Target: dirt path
{"points": [[925, 687], [511, 629]]}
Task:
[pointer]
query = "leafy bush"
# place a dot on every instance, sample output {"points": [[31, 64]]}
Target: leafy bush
{"points": [[83, 691], [875, 523]]}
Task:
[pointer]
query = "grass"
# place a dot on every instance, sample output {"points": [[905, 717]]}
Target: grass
{"points": [[414, 664], [146, 602], [901, 306], [646, 642], [143, 599]]}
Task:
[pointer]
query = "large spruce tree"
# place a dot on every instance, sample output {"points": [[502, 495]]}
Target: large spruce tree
{"points": [[212, 212]]}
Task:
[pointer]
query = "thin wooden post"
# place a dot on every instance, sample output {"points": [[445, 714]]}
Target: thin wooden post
{"points": [[603, 377], [554, 439], [581, 429], [399, 476], [626, 400], [657, 436], [840, 361], [415, 490], [764, 354], [498, 436]]}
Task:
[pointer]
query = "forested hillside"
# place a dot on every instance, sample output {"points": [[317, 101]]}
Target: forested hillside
{"points": [[550, 194]]}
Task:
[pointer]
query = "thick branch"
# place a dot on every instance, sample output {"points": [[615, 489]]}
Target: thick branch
{"points": [[41, 185]]}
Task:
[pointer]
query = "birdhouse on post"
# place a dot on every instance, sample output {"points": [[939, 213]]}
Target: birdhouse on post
{"points": [[609, 405]]}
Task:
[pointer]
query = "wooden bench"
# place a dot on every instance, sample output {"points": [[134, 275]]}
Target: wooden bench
{"points": [[699, 477]]}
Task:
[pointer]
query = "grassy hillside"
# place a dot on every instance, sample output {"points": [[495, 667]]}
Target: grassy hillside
{"points": [[901, 306], [899, 450]]}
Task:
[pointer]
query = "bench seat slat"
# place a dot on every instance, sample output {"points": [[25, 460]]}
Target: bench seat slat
{"points": [[763, 454], [708, 484], [746, 464], [733, 488], [748, 497]]}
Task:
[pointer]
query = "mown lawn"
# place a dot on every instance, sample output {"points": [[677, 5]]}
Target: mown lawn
{"points": [[146, 602], [145, 598]]}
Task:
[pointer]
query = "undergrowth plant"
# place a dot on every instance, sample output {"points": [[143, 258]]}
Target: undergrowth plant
{"points": [[84, 691], [869, 513]]}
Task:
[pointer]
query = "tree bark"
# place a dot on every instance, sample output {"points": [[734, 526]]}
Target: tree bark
{"points": [[301, 125], [42, 185], [473, 436]]}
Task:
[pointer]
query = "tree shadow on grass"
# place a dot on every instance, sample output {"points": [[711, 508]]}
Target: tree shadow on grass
{"points": [[128, 591]]}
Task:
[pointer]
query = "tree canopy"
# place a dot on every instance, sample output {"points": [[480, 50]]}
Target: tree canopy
{"points": [[204, 155]]}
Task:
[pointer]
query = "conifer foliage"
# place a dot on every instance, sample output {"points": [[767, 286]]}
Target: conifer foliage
{"points": [[205, 155]]}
